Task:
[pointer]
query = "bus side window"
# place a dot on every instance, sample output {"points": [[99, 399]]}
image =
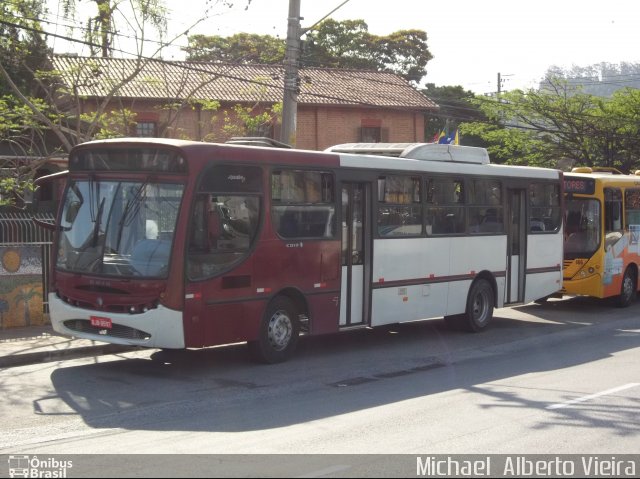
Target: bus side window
{"points": [[288, 224], [612, 209]]}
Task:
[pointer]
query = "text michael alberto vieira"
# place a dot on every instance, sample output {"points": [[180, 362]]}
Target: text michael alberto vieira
{"points": [[526, 466]]}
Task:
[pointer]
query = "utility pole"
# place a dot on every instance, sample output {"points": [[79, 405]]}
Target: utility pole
{"points": [[499, 83], [292, 54]]}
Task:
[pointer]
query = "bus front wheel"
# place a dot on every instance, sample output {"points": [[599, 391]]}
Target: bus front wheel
{"points": [[629, 289], [279, 332]]}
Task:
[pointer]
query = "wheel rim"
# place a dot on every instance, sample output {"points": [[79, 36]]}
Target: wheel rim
{"points": [[280, 330], [480, 306]]}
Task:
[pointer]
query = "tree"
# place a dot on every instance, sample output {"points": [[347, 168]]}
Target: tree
{"points": [[330, 44], [348, 44], [22, 49], [100, 28], [238, 48], [60, 111], [39, 114], [561, 126], [456, 106]]}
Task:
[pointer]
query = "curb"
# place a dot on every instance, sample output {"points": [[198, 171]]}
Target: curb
{"points": [[59, 354]]}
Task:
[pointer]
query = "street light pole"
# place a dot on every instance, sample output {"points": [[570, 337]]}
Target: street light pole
{"points": [[290, 98]]}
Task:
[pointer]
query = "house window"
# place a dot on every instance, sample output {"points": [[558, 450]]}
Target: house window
{"points": [[145, 129], [370, 134]]}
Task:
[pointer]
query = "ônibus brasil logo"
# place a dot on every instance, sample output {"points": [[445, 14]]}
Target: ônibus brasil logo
{"points": [[32, 466]]}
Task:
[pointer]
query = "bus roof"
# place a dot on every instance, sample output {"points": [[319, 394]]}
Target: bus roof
{"points": [[428, 157], [610, 175], [418, 151]]}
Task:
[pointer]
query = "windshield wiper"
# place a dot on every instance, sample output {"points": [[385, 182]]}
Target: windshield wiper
{"points": [[131, 209], [96, 226]]}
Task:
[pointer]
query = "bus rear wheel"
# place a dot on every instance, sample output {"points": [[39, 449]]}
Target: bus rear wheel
{"points": [[479, 311], [279, 332], [629, 289]]}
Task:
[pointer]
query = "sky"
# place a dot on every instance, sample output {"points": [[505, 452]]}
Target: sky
{"points": [[472, 41]]}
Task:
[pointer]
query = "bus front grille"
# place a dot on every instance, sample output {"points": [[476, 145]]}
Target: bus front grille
{"points": [[116, 331]]}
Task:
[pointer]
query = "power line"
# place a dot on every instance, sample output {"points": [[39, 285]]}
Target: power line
{"points": [[451, 104]]}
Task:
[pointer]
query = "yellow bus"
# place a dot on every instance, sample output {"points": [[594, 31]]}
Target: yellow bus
{"points": [[602, 233]]}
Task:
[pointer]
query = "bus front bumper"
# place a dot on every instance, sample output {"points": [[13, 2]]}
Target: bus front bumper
{"points": [[589, 286], [157, 328]]}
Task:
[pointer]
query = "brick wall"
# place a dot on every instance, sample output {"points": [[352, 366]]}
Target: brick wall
{"points": [[318, 127]]}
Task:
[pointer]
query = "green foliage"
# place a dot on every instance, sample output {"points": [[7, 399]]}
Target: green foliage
{"points": [[250, 121], [404, 52], [348, 44], [113, 124], [22, 48], [456, 106], [238, 48], [111, 14], [561, 126], [204, 104], [331, 44], [13, 188]]}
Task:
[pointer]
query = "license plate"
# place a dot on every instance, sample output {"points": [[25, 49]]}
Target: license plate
{"points": [[102, 323]]}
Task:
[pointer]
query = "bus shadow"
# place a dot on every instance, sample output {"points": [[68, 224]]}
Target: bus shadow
{"points": [[217, 389]]}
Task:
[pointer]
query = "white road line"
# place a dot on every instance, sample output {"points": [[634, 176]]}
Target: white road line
{"points": [[592, 396]]}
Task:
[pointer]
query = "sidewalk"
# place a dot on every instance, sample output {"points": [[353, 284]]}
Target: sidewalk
{"points": [[39, 344]]}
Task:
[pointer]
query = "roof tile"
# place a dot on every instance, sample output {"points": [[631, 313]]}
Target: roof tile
{"points": [[179, 80]]}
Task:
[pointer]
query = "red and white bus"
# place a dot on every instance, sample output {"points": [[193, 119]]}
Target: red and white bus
{"points": [[176, 244]]}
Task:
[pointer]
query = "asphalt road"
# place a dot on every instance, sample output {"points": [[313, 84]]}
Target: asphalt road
{"points": [[559, 378]]}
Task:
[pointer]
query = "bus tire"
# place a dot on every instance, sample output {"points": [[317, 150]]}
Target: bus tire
{"points": [[542, 300], [480, 305], [628, 289], [279, 332]]}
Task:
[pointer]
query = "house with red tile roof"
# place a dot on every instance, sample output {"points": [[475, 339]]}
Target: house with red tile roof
{"points": [[206, 101]]}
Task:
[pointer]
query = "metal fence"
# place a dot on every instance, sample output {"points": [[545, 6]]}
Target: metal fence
{"points": [[18, 229]]}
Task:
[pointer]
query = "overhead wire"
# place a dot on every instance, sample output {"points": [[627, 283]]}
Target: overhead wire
{"points": [[449, 103]]}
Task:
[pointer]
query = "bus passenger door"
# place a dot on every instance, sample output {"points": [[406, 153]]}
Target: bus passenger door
{"points": [[516, 245], [355, 250]]}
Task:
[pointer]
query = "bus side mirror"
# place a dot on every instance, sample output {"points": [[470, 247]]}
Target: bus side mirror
{"points": [[44, 224], [72, 211]]}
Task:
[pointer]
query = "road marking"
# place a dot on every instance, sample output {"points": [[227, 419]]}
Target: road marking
{"points": [[592, 396]]}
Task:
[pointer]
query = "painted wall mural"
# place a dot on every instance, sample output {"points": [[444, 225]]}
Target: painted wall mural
{"points": [[21, 287]]}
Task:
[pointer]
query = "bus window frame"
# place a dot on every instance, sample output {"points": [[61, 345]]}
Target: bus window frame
{"points": [[190, 224], [299, 206]]}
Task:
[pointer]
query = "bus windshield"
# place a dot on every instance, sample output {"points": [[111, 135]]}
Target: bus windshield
{"points": [[582, 230], [118, 228]]}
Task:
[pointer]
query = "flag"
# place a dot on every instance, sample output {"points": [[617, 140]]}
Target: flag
{"points": [[450, 139], [438, 136], [444, 138]]}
